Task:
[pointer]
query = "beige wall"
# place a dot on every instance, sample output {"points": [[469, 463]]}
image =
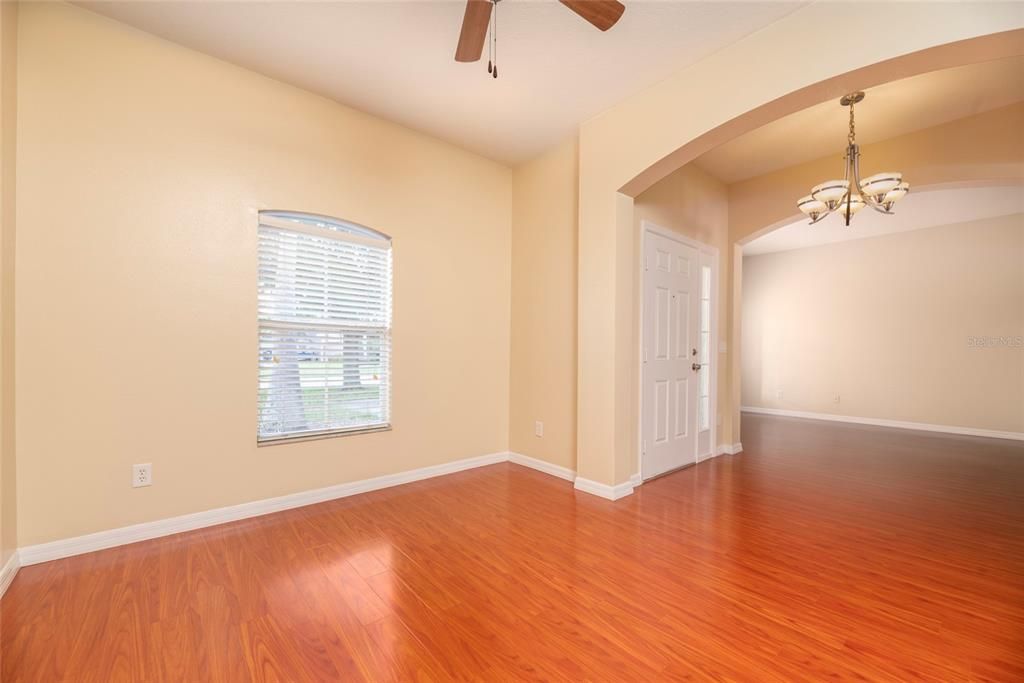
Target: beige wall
{"points": [[696, 205], [543, 381], [8, 139], [136, 280], [136, 265], [885, 322]]}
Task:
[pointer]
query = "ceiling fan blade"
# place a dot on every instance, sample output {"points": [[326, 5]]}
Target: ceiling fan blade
{"points": [[601, 13], [474, 30]]}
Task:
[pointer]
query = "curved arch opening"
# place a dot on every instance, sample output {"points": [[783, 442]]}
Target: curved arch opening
{"points": [[938, 144], [972, 51]]}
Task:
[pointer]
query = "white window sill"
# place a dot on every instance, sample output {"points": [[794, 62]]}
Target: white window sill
{"points": [[316, 436]]}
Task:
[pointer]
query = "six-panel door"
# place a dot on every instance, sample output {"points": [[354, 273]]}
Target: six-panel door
{"points": [[670, 381]]}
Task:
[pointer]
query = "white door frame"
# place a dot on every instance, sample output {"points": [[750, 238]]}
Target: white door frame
{"points": [[710, 253]]}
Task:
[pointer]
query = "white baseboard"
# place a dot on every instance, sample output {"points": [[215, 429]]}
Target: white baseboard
{"points": [[604, 490], [68, 547], [543, 466], [8, 572], [584, 485], [878, 422], [723, 449]]}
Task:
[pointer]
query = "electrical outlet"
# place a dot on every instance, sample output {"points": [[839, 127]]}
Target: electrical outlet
{"points": [[142, 475], [538, 428], [835, 399]]}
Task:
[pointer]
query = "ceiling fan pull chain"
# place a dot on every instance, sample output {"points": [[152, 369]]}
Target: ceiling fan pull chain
{"points": [[494, 35], [490, 40]]}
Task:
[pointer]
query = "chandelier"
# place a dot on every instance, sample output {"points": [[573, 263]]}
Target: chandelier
{"points": [[851, 194]]}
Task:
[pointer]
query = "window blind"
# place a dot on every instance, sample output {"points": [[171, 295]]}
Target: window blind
{"points": [[324, 326]]}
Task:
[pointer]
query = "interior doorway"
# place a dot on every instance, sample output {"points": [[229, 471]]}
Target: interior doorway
{"points": [[678, 373]]}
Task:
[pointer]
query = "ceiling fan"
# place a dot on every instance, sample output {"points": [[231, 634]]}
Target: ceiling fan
{"points": [[601, 13]]}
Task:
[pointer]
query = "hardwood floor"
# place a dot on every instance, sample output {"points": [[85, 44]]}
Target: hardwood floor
{"points": [[824, 551]]}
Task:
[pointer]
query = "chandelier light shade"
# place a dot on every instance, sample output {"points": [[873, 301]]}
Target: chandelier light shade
{"points": [[851, 194]]}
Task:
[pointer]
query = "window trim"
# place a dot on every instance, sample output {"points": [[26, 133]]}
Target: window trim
{"points": [[321, 435], [343, 231], [298, 221]]}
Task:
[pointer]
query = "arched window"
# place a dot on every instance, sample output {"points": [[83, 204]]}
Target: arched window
{"points": [[324, 327]]}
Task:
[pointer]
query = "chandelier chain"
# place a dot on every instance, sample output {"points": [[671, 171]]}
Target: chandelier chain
{"points": [[852, 134]]}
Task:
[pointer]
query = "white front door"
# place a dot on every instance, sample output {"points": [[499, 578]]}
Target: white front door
{"points": [[671, 315]]}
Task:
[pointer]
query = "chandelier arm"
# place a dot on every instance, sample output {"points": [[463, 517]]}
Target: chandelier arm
{"points": [[856, 168], [851, 165], [866, 198], [846, 177]]}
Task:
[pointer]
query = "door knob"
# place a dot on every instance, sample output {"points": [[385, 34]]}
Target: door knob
{"points": [[696, 366]]}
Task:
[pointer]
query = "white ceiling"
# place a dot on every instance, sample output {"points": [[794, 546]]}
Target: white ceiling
{"points": [[396, 59], [915, 211], [889, 110]]}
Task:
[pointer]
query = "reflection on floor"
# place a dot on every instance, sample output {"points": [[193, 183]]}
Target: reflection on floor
{"points": [[823, 550]]}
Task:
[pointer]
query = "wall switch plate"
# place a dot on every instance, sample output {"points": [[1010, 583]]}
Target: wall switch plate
{"points": [[538, 428], [778, 394], [142, 475], [835, 399]]}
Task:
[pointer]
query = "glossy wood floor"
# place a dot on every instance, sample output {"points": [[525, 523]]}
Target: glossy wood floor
{"points": [[824, 551]]}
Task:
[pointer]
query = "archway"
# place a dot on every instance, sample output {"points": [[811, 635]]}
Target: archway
{"points": [[615, 166]]}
